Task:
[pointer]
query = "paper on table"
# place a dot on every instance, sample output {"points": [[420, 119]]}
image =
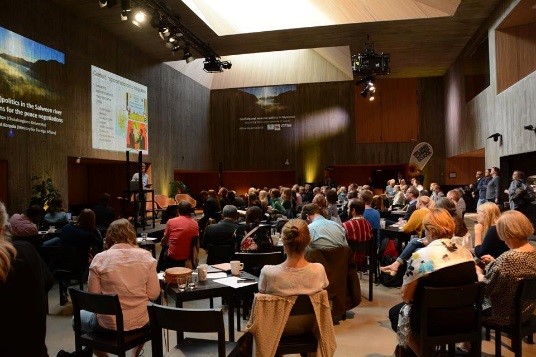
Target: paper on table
{"points": [[139, 239], [223, 266], [216, 275], [233, 282]]}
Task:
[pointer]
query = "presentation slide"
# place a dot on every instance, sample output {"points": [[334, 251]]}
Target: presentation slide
{"points": [[31, 84], [119, 113]]}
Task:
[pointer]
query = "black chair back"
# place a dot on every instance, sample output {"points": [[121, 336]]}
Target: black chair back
{"points": [[116, 342], [217, 254], [187, 320], [254, 262], [449, 315], [302, 343], [370, 251]]}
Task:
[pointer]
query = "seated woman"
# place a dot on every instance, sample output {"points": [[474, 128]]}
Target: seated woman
{"points": [[414, 224], [501, 273], [398, 197], [56, 215], [126, 270], [487, 241], [439, 254], [295, 276], [252, 237]]}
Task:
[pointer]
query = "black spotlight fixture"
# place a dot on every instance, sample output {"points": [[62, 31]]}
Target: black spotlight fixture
{"points": [[187, 55], [211, 64], [126, 7], [369, 89], [107, 3], [495, 137], [530, 127]]}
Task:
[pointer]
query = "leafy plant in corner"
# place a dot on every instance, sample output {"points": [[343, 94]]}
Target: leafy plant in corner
{"points": [[43, 190], [177, 187]]}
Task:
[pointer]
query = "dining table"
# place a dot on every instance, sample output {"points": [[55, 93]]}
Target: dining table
{"points": [[395, 231], [219, 283]]}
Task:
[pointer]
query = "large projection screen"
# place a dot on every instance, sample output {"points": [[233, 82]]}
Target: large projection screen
{"points": [[119, 113]]}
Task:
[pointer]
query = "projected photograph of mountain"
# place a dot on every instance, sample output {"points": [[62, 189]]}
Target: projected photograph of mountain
{"points": [[272, 99], [29, 71]]}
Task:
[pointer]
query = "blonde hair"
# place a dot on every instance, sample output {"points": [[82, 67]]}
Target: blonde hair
{"points": [[426, 201], [491, 215], [7, 250], [295, 235], [263, 198], [321, 202], [120, 231], [439, 224], [514, 226]]}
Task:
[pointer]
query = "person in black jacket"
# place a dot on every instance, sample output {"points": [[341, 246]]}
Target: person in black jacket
{"points": [[24, 284], [222, 232]]}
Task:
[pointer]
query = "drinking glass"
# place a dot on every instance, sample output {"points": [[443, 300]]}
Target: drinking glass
{"points": [[181, 283], [144, 237], [192, 281]]}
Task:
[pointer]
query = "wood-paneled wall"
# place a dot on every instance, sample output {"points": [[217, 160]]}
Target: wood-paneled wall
{"points": [[393, 115], [469, 124], [322, 133], [515, 49], [464, 169], [178, 107]]}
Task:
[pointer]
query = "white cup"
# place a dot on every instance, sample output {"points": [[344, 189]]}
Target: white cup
{"points": [[382, 222], [202, 270], [52, 229], [144, 236], [236, 267]]}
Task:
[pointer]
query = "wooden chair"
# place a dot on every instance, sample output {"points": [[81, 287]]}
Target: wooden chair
{"points": [[161, 202], [449, 315], [303, 343], [192, 320], [526, 291], [185, 197], [116, 342], [71, 269]]}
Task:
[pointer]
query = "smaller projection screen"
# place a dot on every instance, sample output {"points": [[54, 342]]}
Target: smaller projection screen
{"points": [[119, 113]]}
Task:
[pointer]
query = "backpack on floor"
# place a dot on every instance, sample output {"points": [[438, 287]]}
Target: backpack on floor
{"points": [[387, 255]]}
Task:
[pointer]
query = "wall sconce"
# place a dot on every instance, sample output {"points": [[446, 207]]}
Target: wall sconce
{"points": [[530, 127], [287, 162], [495, 137]]}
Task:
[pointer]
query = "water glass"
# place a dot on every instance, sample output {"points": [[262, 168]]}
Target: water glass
{"points": [[181, 283], [192, 281], [144, 236]]}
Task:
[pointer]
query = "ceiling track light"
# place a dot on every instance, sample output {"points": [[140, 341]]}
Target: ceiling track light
{"points": [[169, 27], [139, 18]]}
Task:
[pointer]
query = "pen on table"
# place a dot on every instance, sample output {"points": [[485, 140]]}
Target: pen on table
{"points": [[243, 280]]}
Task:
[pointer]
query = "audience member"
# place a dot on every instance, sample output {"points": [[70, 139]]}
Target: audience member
{"points": [[180, 238], [414, 225], [236, 200], [515, 192], [344, 214], [222, 233], [252, 237], [128, 271], [390, 191], [502, 272], [288, 203], [439, 254], [482, 187], [320, 201], [454, 196], [370, 214], [211, 210], [295, 276], [104, 214], [460, 226], [332, 209], [487, 241], [358, 229], [223, 197], [411, 197], [325, 234], [24, 284], [493, 188], [55, 214], [435, 189], [25, 224], [398, 199]]}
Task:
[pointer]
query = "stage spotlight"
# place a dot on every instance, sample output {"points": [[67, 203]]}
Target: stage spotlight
{"points": [[125, 5], [107, 3], [172, 42], [139, 18], [103, 3], [371, 98], [187, 55], [164, 32], [364, 92]]}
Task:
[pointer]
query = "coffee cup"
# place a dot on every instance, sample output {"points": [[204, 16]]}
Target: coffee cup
{"points": [[52, 229], [382, 222], [236, 267], [202, 270]]}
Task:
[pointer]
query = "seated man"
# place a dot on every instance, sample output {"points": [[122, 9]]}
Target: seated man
{"points": [[358, 229], [325, 233], [25, 224], [178, 238], [222, 232]]}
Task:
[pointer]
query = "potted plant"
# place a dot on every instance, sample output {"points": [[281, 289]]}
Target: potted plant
{"points": [[43, 191], [177, 187]]}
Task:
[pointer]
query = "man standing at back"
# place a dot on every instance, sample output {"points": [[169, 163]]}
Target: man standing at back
{"points": [[481, 188], [325, 234], [222, 232], [494, 186]]}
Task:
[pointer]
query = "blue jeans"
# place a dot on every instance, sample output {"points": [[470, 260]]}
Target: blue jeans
{"points": [[413, 245], [88, 321]]}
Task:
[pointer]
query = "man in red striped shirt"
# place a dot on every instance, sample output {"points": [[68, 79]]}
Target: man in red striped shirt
{"points": [[358, 230]]}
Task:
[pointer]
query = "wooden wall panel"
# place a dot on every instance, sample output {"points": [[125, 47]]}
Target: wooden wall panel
{"points": [[516, 54], [368, 128], [197, 181], [464, 168], [178, 107], [399, 110]]}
